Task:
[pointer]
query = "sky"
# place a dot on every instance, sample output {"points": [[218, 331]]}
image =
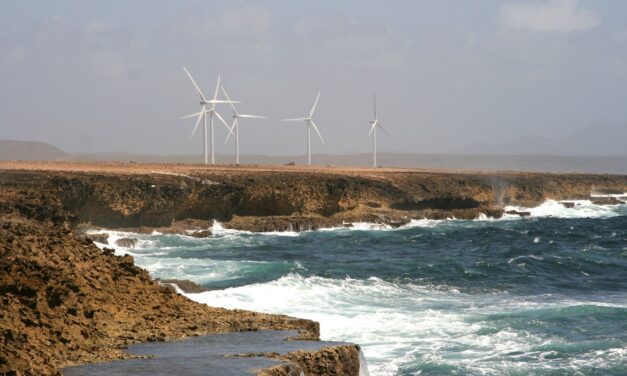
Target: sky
{"points": [[95, 76]]}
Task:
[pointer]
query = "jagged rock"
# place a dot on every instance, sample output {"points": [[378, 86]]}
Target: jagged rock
{"points": [[520, 213], [126, 242], [199, 233], [328, 361], [608, 191], [108, 251], [606, 201], [568, 205], [127, 199], [63, 300], [185, 285], [102, 238]]}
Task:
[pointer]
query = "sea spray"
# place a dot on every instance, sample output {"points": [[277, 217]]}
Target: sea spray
{"points": [[363, 364]]}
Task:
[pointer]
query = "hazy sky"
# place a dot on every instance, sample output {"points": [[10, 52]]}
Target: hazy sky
{"points": [[107, 75]]}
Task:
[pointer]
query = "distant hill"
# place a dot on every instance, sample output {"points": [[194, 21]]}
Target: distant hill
{"points": [[600, 139], [29, 151], [617, 164]]}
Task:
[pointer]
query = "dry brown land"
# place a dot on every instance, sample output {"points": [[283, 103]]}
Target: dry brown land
{"points": [[269, 198]]}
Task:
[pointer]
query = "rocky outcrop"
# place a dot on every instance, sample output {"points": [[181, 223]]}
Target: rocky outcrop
{"points": [[185, 285], [329, 361], [102, 238], [607, 201], [63, 301], [261, 200], [126, 242]]}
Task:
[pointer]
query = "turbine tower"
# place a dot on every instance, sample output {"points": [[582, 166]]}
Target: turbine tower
{"points": [[234, 129], [373, 132], [310, 124], [208, 107]]}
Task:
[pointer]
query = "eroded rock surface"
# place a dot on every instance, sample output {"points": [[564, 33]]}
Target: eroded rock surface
{"points": [[279, 199], [63, 301]]}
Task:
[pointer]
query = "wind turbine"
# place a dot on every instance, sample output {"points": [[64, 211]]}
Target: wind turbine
{"points": [[373, 132], [208, 107], [310, 124], [234, 129]]}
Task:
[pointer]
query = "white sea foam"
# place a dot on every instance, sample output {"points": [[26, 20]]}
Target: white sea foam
{"points": [[581, 209], [219, 230], [394, 323]]}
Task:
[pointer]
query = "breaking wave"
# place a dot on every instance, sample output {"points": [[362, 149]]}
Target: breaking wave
{"points": [[543, 294]]}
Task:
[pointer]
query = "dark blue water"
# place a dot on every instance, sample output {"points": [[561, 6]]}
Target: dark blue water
{"points": [[539, 295]]}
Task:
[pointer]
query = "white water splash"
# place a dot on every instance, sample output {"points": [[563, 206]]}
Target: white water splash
{"points": [[396, 324], [581, 209]]}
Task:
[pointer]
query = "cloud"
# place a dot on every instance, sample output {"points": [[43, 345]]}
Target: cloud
{"points": [[558, 16]]}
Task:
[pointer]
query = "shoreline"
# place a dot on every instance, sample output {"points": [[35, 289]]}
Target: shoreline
{"points": [[53, 272]]}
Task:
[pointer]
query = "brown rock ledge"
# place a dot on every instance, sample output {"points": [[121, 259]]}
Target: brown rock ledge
{"points": [[186, 199], [328, 361], [64, 302]]}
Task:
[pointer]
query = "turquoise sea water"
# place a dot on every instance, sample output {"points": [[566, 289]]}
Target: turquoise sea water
{"points": [[544, 295]]}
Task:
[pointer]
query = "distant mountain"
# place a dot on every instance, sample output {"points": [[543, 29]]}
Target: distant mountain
{"points": [[29, 151], [617, 164], [601, 139]]}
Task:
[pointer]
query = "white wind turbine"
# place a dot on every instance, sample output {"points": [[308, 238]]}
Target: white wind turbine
{"points": [[373, 132], [234, 129], [208, 107], [310, 124]]}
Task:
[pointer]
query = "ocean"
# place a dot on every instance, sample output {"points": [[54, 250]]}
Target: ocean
{"points": [[542, 295]]}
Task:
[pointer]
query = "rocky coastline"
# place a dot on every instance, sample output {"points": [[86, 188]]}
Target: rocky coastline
{"points": [[64, 301]]}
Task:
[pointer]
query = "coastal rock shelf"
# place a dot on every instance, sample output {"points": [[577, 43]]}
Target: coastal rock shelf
{"points": [[265, 353], [65, 302], [186, 199]]}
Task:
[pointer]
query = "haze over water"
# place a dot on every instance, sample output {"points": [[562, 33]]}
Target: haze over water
{"points": [[542, 295]]}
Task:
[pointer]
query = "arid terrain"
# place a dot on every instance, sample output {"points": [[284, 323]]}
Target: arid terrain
{"points": [[64, 301], [187, 197]]}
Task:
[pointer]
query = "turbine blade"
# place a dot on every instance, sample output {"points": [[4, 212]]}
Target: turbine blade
{"points": [[375, 105], [221, 119], [245, 116], [201, 114], [314, 106], [383, 129], [235, 123], [229, 99], [221, 101], [191, 115], [296, 119], [374, 125], [202, 96], [215, 93], [317, 131]]}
